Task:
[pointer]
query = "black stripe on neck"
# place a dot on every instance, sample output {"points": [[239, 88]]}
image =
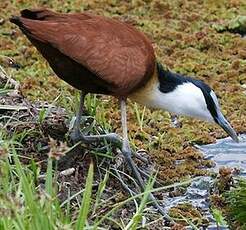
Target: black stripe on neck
{"points": [[168, 80]]}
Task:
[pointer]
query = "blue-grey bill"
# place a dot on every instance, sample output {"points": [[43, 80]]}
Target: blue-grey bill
{"points": [[227, 127]]}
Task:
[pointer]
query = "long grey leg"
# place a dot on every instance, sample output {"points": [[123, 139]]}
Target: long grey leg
{"points": [[76, 134], [126, 151], [80, 111]]}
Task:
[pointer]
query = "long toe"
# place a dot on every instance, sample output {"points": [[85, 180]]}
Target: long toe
{"points": [[110, 137], [76, 136]]}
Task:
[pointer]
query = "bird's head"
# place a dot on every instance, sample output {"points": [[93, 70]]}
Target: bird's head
{"points": [[187, 96]]}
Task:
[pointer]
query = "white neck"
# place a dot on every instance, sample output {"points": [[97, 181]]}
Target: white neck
{"points": [[185, 99]]}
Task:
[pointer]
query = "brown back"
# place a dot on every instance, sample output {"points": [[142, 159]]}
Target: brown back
{"points": [[110, 56]]}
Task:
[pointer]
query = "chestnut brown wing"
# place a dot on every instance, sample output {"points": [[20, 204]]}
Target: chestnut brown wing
{"points": [[115, 52]]}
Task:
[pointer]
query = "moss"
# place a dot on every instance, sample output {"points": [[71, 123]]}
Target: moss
{"points": [[184, 41], [186, 212]]}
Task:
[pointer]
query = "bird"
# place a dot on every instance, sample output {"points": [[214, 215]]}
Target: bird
{"points": [[101, 55]]}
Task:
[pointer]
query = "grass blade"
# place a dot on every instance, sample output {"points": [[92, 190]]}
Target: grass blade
{"points": [[48, 182], [85, 204]]}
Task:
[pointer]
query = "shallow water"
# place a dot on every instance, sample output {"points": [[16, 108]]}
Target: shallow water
{"points": [[225, 152]]}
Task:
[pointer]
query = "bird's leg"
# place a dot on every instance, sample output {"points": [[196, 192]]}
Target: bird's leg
{"points": [[77, 136], [112, 137], [126, 150]]}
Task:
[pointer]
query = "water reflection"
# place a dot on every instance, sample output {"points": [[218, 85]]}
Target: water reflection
{"points": [[226, 152]]}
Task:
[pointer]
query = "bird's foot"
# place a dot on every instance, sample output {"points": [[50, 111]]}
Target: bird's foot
{"points": [[76, 136], [126, 151], [114, 138], [111, 137]]}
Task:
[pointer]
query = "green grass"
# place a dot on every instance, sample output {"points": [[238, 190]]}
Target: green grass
{"points": [[236, 201], [30, 195], [219, 218], [26, 204]]}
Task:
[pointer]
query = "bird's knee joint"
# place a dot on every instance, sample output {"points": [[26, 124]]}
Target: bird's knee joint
{"points": [[127, 152], [115, 136]]}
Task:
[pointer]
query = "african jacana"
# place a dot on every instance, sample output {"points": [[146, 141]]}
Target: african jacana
{"points": [[96, 54]]}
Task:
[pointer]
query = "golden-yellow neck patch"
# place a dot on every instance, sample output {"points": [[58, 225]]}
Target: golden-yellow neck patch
{"points": [[145, 95]]}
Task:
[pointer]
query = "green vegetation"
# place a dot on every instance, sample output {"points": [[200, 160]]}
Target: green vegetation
{"points": [[32, 193], [30, 200], [219, 218], [236, 201], [184, 41]]}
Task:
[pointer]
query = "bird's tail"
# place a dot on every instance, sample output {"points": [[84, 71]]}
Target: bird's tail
{"points": [[16, 20], [31, 22], [33, 14], [21, 23]]}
